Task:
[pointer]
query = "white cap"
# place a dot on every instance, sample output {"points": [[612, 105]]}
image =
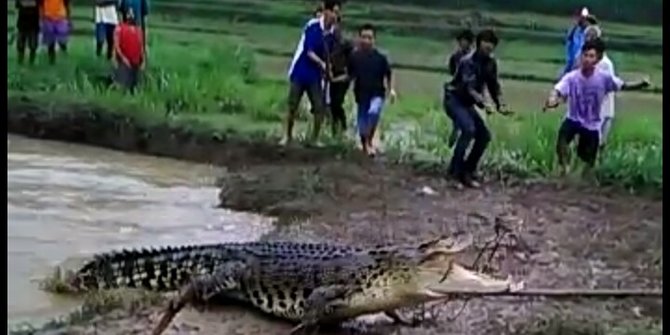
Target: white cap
{"points": [[584, 12]]}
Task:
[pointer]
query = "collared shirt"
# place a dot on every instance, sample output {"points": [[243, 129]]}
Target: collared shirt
{"points": [[304, 70], [474, 72]]}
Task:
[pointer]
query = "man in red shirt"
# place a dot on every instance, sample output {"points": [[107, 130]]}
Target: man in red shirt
{"points": [[129, 52]]}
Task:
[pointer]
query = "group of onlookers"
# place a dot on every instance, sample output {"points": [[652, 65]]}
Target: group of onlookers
{"points": [[52, 19], [324, 65]]}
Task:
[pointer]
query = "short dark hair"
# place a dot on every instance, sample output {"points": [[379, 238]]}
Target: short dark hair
{"points": [[596, 44], [367, 26], [487, 35], [466, 34], [331, 4]]}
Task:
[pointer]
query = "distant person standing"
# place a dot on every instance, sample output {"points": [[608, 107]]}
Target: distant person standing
{"points": [[308, 68], [464, 46], [56, 25], [28, 28], [106, 20], [574, 40], [606, 65], [340, 54], [129, 52], [476, 71], [370, 71], [584, 90], [140, 10]]}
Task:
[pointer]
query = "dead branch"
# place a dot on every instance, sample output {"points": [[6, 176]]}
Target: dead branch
{"points": [[571, 293]]}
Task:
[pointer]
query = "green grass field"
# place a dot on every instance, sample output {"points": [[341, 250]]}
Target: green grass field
{"points": [[221, 64]]}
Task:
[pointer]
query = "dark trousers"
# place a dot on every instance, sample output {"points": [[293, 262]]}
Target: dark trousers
{"points": [[454, 130], [127, 76], [104, 33], [338, 91], [472, 127], [28, 32], [29, 40], [588, 142]]}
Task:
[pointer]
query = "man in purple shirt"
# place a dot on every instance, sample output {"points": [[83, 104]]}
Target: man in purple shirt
{"points": [[308, 68], [584, 90]]}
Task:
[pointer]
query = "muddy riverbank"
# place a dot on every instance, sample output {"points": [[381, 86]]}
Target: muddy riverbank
{"points": [[576, 236]]}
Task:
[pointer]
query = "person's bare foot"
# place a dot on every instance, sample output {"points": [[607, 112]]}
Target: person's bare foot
{"points": [[284, 141], [468, 181]]}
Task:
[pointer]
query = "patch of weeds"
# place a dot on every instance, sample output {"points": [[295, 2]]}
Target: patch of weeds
{"points": [[95, 305]]}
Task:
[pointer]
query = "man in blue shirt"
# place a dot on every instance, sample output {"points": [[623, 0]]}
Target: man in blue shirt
{"points": [[574, 40], [308, 68]]}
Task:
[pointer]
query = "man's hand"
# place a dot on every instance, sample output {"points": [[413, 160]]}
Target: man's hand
{"points": [[504, 110], [324, 66], [488, 108], [645, 82], [551, 103], [392, 96]]}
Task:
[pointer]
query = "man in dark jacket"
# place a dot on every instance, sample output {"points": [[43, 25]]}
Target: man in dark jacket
{"points": [[475, 71], [464, 39]]}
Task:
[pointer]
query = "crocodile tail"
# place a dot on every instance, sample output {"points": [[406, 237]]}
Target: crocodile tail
{"points": [[157, 269]]}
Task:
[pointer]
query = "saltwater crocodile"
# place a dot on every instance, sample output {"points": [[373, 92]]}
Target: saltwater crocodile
{"points": [[309, 283]]}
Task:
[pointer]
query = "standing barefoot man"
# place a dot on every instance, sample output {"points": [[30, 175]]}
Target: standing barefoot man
{"points": [[475, 71], [585, 89], [370, 71], [308, 69]]}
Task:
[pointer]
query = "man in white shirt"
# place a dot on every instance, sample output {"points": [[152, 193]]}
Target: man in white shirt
{"points": [[605, 64], [106, 19]]}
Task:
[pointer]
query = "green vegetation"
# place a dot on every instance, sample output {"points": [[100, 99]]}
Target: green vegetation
{"points": [[219, 67]]}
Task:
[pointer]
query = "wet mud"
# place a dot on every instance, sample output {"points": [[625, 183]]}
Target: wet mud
{"points": [[573, 237]]}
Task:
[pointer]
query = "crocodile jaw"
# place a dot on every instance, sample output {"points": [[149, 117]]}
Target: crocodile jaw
{"points": [[462, 280]]}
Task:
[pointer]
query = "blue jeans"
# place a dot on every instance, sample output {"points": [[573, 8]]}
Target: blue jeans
{"points": [[472, 127], [454, 130], [369, 112]]}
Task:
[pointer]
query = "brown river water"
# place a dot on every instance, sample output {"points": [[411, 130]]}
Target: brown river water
{"points": [[67, 201]]}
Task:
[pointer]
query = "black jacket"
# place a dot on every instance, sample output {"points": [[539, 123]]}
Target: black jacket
{"points": [[474, 72]]}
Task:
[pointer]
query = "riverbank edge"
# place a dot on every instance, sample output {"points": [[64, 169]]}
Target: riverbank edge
{"points": [[78, 121]]}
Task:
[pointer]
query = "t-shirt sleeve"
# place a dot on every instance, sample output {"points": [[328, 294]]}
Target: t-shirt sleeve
{"points": [[563, 85], [613, 83]]}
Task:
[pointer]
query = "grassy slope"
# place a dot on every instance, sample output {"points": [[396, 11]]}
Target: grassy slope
{"points": [[189, 56]]}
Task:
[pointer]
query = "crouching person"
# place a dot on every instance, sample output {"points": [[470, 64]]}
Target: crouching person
{"points": [[129, 52]]}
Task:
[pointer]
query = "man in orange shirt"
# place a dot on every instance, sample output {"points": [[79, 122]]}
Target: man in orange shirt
{"points": [[56, 25]]}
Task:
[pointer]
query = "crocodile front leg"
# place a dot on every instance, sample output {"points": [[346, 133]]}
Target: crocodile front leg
{"points": [[201, 289], [321, 303], [399, 319]]}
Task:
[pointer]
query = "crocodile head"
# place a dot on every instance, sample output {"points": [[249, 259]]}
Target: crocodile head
{"points": [[437, 274], [424, 272]]}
